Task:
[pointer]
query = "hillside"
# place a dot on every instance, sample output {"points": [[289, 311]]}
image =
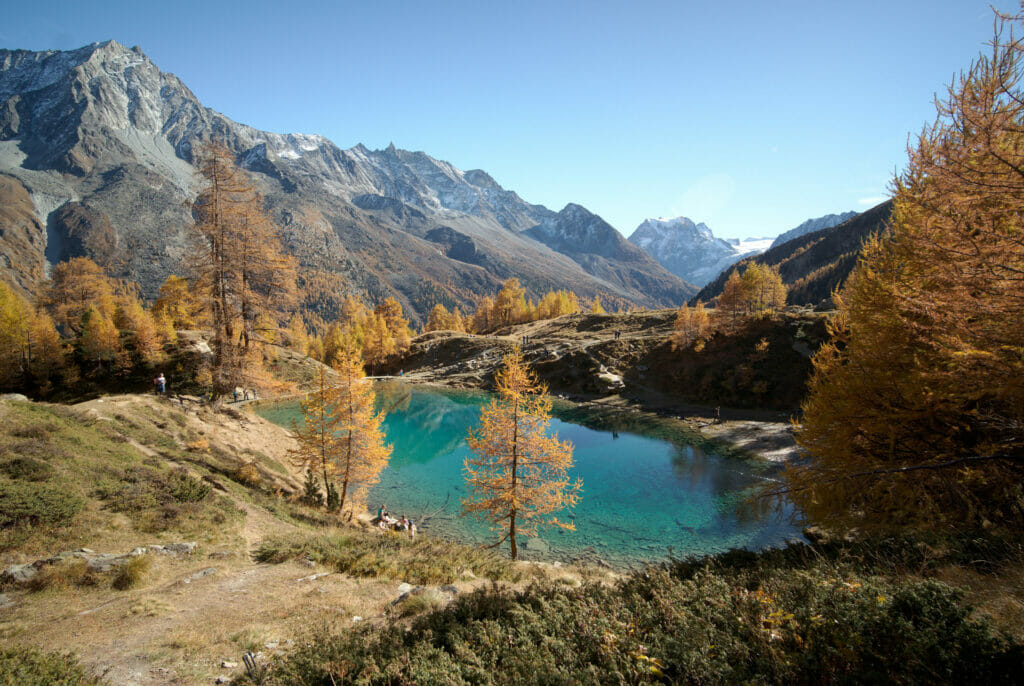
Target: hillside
{"points": [[129, 527], [160, 540], [97, 155], [813, 265], [579, 355]]}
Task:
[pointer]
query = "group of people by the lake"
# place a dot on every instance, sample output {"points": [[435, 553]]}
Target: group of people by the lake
{"points": [[245, 393], [386, 522]]}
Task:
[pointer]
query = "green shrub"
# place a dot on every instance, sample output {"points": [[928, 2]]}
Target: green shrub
{"points": [[184, 488], [27, 469], [31, 667], [34, 431], [32, 503], [132, 572], [812, 625], [311, 494], [142, 488]]}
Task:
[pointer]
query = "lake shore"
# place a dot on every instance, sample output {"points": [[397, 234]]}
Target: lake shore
{"points": [[761, 434]]}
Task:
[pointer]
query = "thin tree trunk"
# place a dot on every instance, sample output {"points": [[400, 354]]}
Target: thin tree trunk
{"points": [[348, 456], [515, 470]]}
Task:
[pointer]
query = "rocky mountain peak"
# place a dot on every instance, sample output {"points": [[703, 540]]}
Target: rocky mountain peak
{"points": [[687, 249], [102, 138]]}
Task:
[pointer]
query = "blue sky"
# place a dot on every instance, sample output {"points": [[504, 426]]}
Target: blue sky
{"points": [[749, 116]]}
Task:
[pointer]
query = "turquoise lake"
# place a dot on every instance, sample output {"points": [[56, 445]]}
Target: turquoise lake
{"points": [[648, 491]]}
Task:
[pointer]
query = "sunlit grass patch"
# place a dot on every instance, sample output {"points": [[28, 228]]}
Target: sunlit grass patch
{"points": [[390, 555]]}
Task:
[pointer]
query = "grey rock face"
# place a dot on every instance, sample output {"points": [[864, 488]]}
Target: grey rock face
{"points": [[105, 142]]}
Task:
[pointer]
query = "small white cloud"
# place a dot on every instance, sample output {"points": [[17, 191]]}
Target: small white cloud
{"points": [[873, 200], [775, 148]]}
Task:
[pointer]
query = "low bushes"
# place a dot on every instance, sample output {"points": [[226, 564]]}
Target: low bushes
{"points": [[36, 503], [31, 667], [27, 469], [724, 621]]}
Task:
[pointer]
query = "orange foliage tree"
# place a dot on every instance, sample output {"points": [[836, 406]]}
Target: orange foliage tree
{"points": [[30, 348], [177, 303], [242, 277], [915, 410], [691, 327], [360, 454], [73, 288], [318, 435], [518, 474]]}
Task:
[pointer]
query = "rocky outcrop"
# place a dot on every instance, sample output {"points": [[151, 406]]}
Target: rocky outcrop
{"points": [[100, 563]]}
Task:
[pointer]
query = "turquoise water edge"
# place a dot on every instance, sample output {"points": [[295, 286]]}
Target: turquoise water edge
{"points": [[649, 490]]}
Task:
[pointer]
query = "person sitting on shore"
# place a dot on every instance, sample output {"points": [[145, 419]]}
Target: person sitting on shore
{"points": [[404, 524]]}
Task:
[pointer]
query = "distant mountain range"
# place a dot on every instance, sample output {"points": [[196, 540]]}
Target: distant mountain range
{"points": [[812, 225], [97, 147], [691, 251], [814, 264]]}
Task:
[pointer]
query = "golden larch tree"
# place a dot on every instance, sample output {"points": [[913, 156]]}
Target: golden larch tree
{"points": [[361, 454], [916, 406], [74, 287], [691, 327], [242, 278], [318, 435], [509, 304], [30, 348], [482, 320], [99, 340], [177, 303], [518, 474]]}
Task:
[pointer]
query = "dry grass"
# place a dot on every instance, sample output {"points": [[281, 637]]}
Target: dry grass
{"points": [[64, 575], [1000, 596], [132, 572]]}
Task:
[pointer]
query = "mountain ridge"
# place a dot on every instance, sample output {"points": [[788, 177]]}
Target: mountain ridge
{"points": [[103, 127], [815, 264]]}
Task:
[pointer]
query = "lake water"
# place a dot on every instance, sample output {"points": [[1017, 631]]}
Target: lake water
{"points": [[648, 489]]}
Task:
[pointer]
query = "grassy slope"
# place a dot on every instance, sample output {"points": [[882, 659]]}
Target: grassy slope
{"points": [[125, 471]]}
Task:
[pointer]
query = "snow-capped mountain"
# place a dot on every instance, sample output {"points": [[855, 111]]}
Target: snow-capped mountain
{"points": [[812, 225], [96, 157], [688, 250], [597, 247]]}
